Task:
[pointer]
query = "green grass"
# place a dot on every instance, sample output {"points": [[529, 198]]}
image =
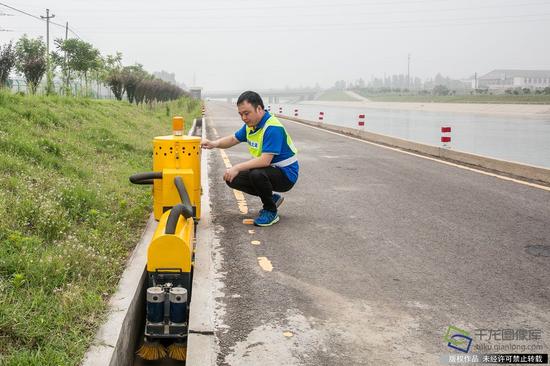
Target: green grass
{"points": [[336, 96], [69, 216], [498, 99]]}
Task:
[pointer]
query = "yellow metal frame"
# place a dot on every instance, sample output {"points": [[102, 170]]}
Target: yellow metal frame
{"points": [[176, 156]]}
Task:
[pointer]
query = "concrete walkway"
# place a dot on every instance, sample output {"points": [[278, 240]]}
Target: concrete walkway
{"points": [[376, 254]]}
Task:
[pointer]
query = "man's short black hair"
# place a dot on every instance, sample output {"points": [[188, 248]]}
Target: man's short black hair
{"points": [[251, 97]]}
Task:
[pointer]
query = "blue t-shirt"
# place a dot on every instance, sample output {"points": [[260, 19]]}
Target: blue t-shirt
{"points": [[274, 142]]}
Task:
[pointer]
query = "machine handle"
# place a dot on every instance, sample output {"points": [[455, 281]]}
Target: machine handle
{"points": [[174, 216], [145, 178]]}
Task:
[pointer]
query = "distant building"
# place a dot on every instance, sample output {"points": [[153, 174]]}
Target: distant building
{"points": [[196, 92], [510, 79], [169, 77]]}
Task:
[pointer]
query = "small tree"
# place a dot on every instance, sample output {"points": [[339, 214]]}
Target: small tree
{"points": [[115, 81], [98, 74], [59, 59], [143, 90], [132, 76], [76, 57], [441, 90], [7, 62], [112, 74], [150, 90], [31, 60], [34, 70]]}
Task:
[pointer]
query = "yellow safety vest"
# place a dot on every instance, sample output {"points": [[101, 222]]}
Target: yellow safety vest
{"points": [[255, 141]]}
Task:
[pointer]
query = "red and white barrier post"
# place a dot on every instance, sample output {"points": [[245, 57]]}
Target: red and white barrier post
{"points": [[446, 136], [321, 116], [295, 113], [361, 121]]}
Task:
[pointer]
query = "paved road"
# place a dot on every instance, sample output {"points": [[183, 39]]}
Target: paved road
{"points": [[377, 252]]}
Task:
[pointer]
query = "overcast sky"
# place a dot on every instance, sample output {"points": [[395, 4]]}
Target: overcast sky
{"points": [[260, 44]]}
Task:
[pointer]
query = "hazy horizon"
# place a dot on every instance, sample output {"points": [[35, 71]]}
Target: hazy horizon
{"points": [[264, 45]]}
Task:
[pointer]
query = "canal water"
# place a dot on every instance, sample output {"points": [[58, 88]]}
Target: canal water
{"points": [[521, 139]]}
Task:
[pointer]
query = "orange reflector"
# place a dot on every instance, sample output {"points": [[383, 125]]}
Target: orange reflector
{"points": [[177, 125]]}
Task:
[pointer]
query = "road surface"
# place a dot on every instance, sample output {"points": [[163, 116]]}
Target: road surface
{"points": [[376, 254]]}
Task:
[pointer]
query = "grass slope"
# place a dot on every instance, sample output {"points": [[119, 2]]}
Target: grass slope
{"points": [[336, 96], [68, 216]]}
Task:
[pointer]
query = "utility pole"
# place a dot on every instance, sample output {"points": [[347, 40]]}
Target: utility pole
{"points": [[66, 76], [48, 17]]}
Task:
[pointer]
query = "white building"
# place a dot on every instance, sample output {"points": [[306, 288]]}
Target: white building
{"points": [[510, 79]]}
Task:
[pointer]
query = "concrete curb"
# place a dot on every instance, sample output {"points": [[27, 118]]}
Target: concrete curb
{"points": [[117, 337], [520, 170], [201, 342], [193, 128]]}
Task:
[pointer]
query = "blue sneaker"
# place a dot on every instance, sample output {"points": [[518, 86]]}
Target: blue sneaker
{"points": [[277, 199], [266, 218]]}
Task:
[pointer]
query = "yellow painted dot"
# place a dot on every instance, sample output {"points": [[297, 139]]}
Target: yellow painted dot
{"points": [[265, 264], [255, 242], [248, 221], [288, 334]]}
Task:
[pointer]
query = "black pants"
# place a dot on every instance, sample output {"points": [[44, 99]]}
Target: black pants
{"points": [[262, 182]]}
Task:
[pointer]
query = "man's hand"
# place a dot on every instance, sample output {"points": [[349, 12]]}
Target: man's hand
{"points": [[230, 174], [207, 144]]}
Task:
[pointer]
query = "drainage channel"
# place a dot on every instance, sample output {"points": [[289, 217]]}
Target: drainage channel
{"points": [[196, 130], [139, 327], [138, 361]]}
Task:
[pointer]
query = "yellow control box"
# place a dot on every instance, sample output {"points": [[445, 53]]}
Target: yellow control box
{"points": [[176, 155]]}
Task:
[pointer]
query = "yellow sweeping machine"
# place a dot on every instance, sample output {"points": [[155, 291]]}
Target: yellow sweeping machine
{"points": [[176, 206]]}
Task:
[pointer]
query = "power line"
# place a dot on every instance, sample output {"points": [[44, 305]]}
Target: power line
{"points": [[39, 18], [384, 5], [334, 27], [74, 33], [355, 13], [361, 25], [21, 11], [70, 30]]}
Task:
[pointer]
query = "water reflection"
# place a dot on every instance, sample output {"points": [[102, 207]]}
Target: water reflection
{"points": [[525, 140]]}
